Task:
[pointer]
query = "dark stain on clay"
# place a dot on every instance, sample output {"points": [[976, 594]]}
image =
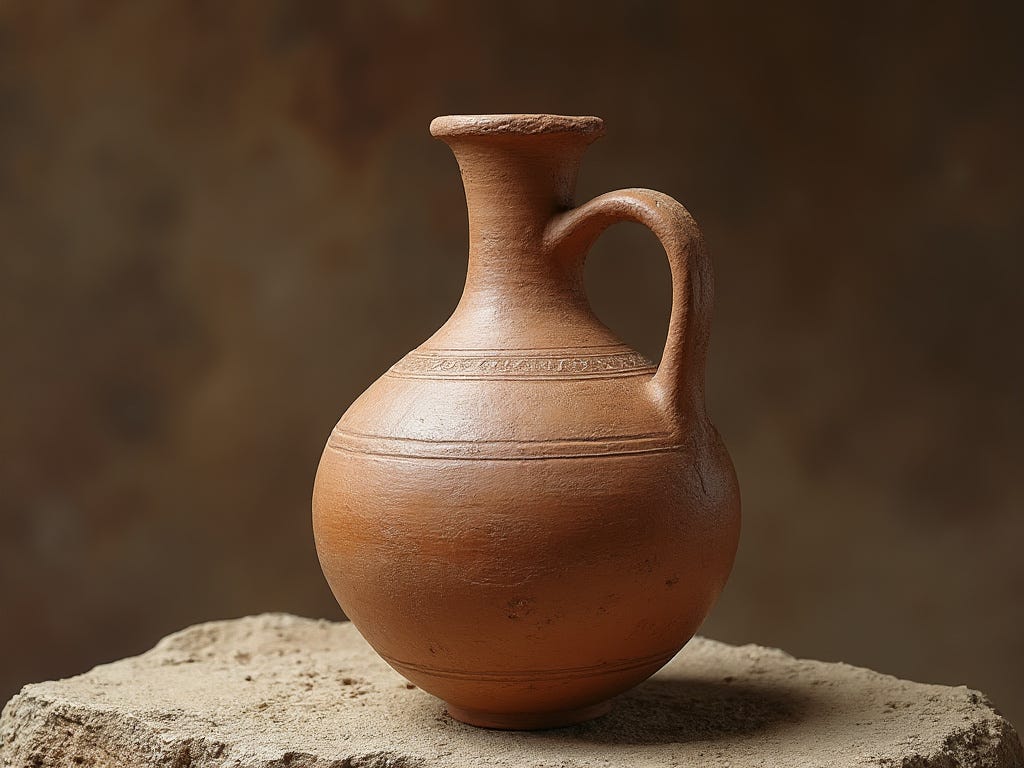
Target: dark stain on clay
{"points": [[520, 608]]}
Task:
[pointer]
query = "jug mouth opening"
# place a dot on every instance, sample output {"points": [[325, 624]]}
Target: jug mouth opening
{"points": [[450, 126]]}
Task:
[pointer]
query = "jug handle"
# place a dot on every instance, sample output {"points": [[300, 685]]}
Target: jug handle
{"points": [[678, 384]]}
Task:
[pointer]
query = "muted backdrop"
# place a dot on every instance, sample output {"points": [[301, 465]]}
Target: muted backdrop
{"points": [[219, 222]]}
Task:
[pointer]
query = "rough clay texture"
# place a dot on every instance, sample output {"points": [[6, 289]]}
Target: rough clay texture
{"points": [[481, 125], [277, 690]]}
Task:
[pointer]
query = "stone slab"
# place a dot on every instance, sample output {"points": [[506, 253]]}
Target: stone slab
{"points": [[277, 690]]}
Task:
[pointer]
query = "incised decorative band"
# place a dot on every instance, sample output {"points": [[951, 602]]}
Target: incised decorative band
{"points": [[522, 364]]}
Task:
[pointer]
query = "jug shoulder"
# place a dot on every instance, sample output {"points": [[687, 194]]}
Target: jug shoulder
{"points": [[510, 404]]}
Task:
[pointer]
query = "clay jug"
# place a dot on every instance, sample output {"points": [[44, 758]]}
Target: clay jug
{"points": [[523, 516]]}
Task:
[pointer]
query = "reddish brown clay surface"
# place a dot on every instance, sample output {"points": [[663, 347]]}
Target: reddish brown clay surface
{"points": [[524, 516]]}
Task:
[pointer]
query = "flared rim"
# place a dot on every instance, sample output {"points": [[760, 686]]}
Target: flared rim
{"points": [[515, 125]]}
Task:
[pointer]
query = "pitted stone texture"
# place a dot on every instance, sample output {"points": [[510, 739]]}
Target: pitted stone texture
{"points": [[277, 690]]}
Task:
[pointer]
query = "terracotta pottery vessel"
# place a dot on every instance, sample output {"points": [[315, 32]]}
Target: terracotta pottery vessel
{"points": [[524, 516]]}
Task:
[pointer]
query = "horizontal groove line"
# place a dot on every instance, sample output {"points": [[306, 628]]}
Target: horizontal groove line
{"points": [[524, 350], [558, 441], [540, 674], [556, 355], [505, 457], [441, 376]]}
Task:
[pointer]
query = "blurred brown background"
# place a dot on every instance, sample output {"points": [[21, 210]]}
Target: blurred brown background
{"points": [[221, 221]]}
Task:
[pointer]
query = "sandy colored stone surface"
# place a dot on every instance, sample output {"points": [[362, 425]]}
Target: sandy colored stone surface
{"points": [[277, 690]]}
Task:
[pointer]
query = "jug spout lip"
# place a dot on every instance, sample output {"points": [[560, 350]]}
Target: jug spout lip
{"points": [[450, 126]]}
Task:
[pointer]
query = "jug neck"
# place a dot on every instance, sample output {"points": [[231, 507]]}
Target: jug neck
{"points": [[512, 190], [518, 171]]}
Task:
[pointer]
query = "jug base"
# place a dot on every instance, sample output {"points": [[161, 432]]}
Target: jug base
{"points": [[528, 721]]}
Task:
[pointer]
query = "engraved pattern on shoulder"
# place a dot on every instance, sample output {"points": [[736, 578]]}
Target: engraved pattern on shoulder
{"points": [[522, 364]]}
